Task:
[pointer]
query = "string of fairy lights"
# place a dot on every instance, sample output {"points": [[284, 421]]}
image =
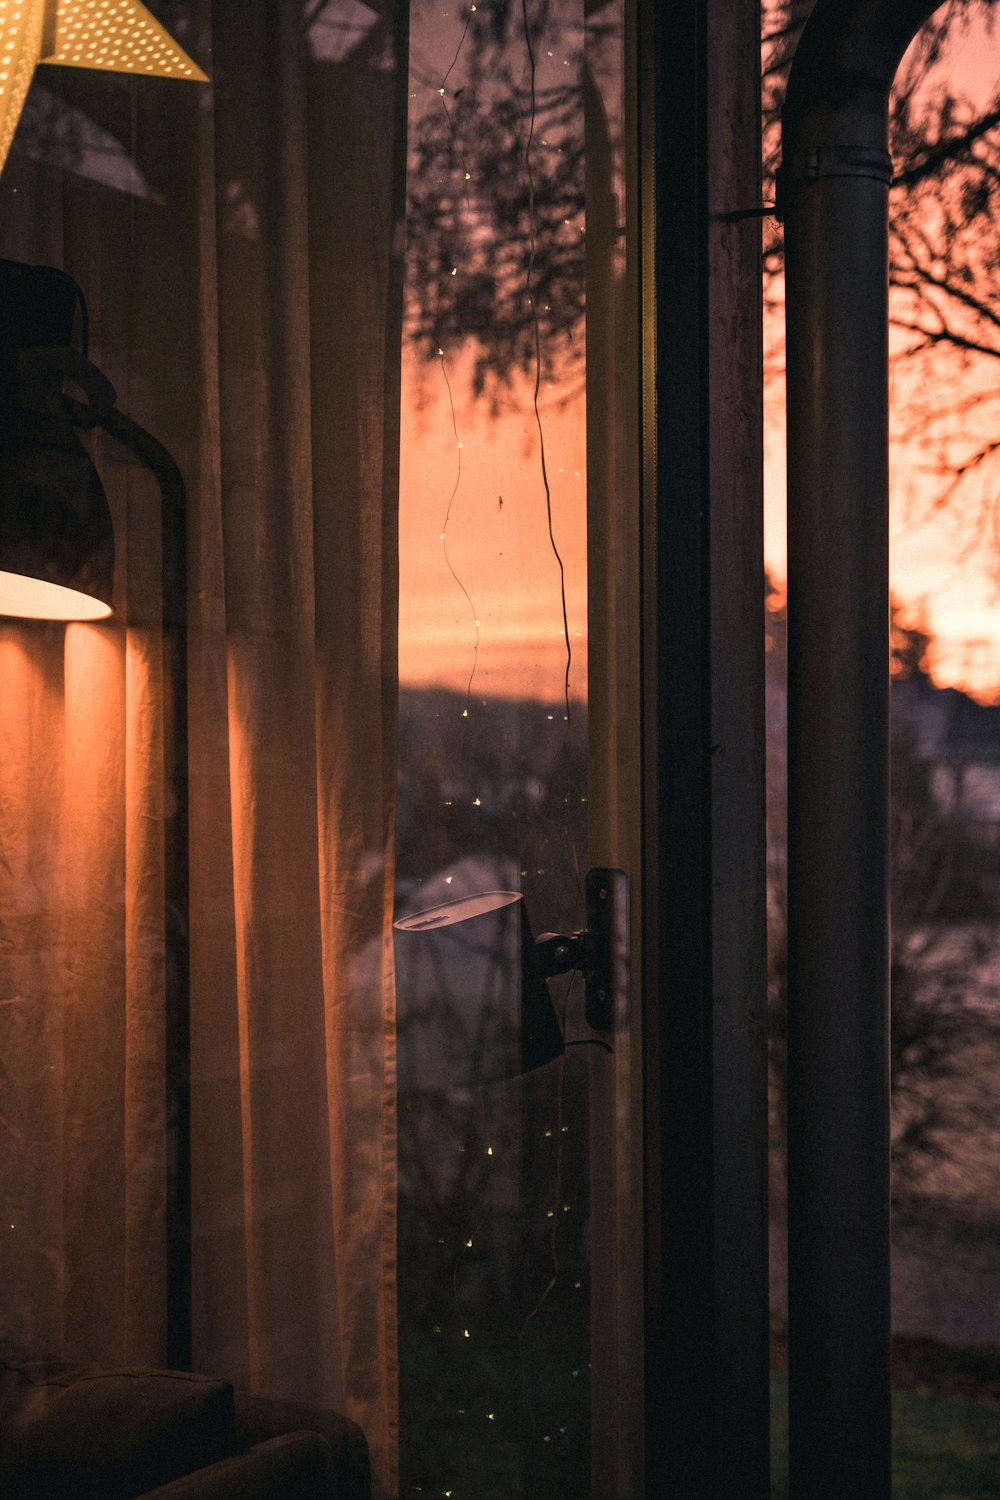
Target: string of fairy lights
{"points": [[441, 91], [444, 533], [460, 1330]]}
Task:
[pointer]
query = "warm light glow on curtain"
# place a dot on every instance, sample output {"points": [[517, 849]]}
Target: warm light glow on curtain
{"points": [[245, 302]]}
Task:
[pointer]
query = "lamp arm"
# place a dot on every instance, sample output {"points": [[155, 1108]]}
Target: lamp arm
{"points": [[144, 445], [161, 463]]}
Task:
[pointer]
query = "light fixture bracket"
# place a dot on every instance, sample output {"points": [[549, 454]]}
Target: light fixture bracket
{"points": [[599, 950]]}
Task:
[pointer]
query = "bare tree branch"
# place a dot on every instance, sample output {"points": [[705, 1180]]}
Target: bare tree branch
{"points": [[947, 151]]}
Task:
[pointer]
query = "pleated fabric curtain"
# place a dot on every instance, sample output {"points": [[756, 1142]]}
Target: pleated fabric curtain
{"points": [[239, 247]]}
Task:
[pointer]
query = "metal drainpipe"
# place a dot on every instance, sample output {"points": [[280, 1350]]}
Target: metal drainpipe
{"points": [[833, 191]]}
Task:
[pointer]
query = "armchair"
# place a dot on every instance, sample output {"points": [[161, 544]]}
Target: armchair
{"points": [[71, 1432]]}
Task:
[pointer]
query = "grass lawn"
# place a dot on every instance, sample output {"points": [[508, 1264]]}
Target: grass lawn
{"points": [[505, 1415], [944, 1447]]}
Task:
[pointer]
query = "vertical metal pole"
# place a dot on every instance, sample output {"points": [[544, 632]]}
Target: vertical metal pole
{"points": [[834, 191], [838, 699], [704, 1002]]}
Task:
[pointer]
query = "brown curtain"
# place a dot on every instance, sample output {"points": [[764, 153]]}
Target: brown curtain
{"points": [[238, 245]]}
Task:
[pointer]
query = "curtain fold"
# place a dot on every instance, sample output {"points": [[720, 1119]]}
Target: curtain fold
{"points": [[241, 262]]}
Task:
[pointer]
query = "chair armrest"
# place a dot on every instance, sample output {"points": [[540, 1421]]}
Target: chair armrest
{"points": [[259, 1418], [295, 1466]]}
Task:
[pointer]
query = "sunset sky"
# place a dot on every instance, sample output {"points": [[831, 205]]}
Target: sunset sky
{"points": [[946, 570], [502, 570], [505, 573], [474, 535]]}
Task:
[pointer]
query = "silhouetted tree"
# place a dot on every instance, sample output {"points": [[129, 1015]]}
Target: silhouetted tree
{"points": [[943, 928], [495, 223], [944, 248]]}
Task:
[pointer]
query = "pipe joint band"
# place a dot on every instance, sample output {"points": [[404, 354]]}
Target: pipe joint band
{"points": [[847, 161], [818, 163]]}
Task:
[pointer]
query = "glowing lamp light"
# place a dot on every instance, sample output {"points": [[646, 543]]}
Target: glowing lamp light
{"points": [[34, 599], [117, 36], [21, 24]]}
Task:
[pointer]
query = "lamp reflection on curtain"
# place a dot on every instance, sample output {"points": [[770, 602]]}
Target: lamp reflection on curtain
{"points": [[470, 974]]}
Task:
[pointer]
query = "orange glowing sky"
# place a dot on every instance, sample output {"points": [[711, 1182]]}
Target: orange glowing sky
{"points": [[958, 594], [505, 572], [502, 556], [481, 596]]}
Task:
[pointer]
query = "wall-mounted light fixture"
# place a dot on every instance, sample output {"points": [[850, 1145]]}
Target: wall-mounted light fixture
{"points": [[472, 980], [475, 980], [118, 36]]}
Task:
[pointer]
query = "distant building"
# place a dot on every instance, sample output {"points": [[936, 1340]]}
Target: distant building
{"points": [[960, 738]]}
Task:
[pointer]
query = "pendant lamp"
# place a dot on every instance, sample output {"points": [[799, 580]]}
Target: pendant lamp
{"points": [[57, 548], [118, 36]]}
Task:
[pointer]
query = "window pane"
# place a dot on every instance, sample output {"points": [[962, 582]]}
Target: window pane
{"points": [[506, 446]]}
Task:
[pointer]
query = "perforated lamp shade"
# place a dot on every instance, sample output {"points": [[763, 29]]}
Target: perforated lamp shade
{"points": [[57, 549], [117, 36]]}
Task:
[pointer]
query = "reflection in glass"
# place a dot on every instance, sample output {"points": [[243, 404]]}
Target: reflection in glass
{"points": [[494, 1166], [481, 949]]}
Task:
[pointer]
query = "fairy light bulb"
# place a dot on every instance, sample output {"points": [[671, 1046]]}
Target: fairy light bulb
{"points": [[118, 36]]}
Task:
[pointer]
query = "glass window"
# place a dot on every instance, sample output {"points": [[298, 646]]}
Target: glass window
{"points": [[514, 315], [316, 372]]}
